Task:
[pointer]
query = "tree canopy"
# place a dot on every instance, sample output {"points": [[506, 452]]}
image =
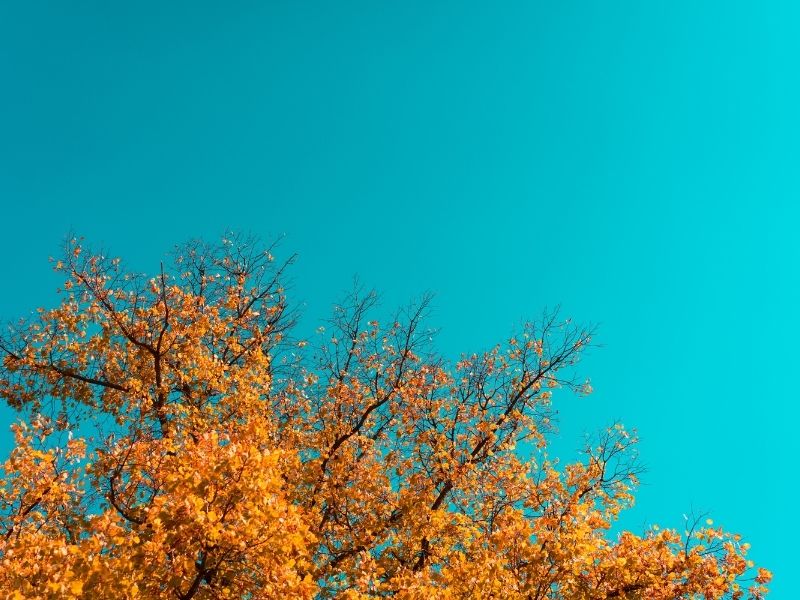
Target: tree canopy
{"points": [[176, 439]]}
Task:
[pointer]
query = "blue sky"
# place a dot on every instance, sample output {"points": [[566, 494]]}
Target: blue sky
{"points": [[633, 161]]}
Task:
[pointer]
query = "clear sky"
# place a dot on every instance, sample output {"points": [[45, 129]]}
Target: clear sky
{"points": [[635, 162]]}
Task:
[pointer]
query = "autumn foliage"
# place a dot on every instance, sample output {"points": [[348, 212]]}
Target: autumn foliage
{"points": [[176, 441]]}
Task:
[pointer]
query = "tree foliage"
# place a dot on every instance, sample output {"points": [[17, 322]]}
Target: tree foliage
{"points": [[176, 441]]}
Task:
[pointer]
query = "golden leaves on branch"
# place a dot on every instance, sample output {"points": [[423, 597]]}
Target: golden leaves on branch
{"points": [[178, 442]]}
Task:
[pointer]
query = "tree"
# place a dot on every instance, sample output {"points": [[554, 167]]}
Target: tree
{"points": [[176, 441]]}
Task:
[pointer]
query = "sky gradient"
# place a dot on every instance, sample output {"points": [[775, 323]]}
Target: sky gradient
{"points": [[634, 162]]}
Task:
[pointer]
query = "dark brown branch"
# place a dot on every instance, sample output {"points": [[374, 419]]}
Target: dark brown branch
{"points": [[112, 499], [91, 380]]}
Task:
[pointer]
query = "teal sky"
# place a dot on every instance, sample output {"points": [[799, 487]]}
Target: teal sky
{"points": [[635, 162]]}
